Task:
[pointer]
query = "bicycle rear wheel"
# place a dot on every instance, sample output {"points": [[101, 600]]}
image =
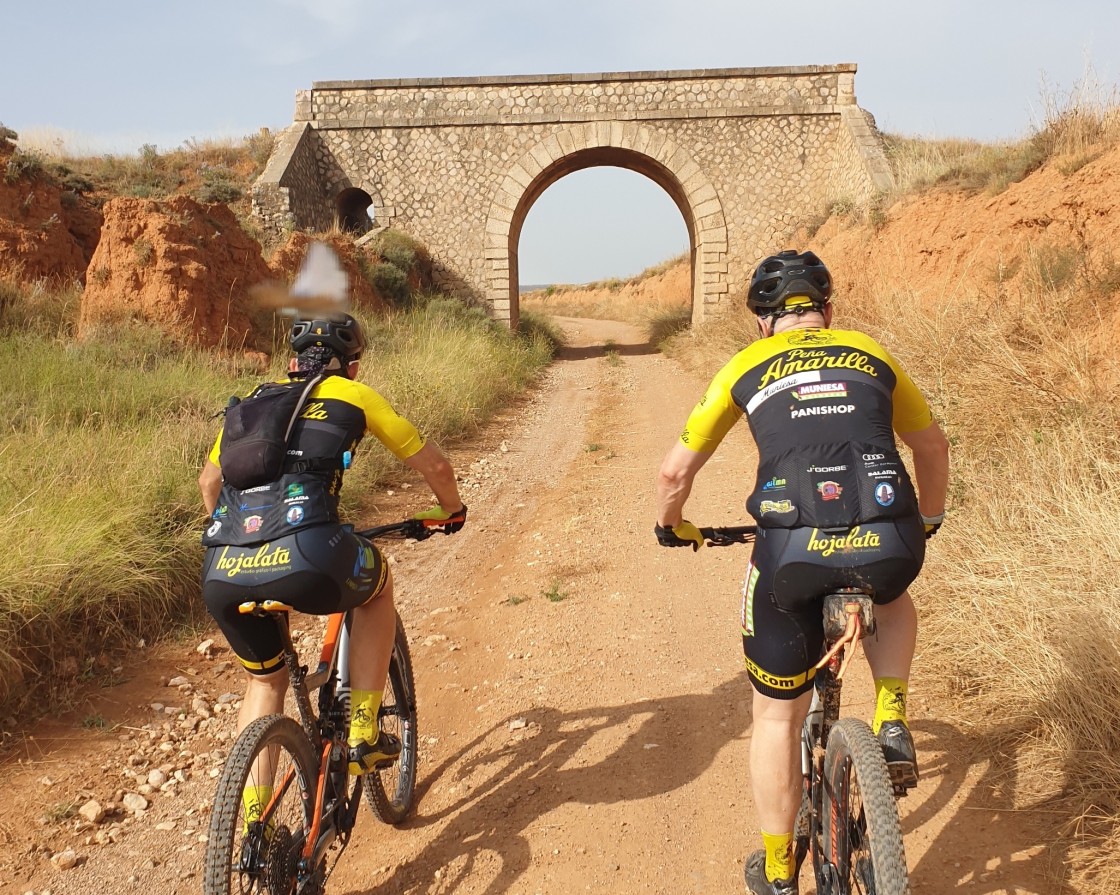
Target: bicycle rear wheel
{"points": [[862, 831], [389, 791], [245, 855]]}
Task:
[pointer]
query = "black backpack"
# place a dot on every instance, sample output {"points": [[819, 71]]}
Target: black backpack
{"points": [[256, 431]]}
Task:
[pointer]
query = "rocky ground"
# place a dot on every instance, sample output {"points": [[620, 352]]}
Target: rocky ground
{"points": [[584, 716]]}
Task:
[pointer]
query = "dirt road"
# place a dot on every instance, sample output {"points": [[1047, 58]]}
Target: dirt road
{"points": [[584, 714]]}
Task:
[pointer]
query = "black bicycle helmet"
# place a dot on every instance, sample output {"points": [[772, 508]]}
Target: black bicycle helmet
{"points": [[787, 274], [341, 333]]}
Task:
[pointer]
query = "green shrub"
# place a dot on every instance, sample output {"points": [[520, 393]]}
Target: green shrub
{"points": [[390, 282], [219, 185]]}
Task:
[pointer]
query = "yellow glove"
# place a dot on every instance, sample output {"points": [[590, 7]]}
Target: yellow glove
{"points": [[453, 521], [684, 535]]}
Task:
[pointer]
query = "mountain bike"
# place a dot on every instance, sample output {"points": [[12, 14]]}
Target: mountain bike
{"points": [[848, 820], [290, 844]]}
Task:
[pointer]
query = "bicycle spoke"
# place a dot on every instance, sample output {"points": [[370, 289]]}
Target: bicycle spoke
{"points": [[260, 815]]}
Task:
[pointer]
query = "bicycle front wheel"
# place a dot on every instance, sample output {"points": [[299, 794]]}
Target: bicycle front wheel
{"points": [[389, 791], [862, 831], [262, 811]]}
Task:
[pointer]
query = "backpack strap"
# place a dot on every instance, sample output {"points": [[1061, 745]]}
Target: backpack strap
{"points": [[311, 383]]}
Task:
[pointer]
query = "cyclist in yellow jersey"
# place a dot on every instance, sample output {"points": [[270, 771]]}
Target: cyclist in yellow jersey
{"points": [[835, 507], [283, 540]]}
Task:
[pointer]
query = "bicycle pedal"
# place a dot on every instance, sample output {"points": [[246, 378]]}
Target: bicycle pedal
{"points": [[903, 776]]}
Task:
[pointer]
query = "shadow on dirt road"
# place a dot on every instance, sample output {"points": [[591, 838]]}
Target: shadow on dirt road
{"points": [[522, 780]]}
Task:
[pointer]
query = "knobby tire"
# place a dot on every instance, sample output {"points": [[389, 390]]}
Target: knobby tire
{"points": [[859, 800], [237, 863], [389, 792]]}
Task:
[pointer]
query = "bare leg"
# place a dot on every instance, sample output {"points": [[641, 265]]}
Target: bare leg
{"points": [[264, 695], [776, 759], [372, 634], [891, 650]]}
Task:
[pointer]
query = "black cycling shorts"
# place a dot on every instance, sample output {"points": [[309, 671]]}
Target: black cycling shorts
{"points": [[790, 572], [319, 571]]}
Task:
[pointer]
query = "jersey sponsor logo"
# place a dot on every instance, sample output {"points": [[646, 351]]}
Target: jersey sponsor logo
{"points": [[855, 541], [798, 360], [883, 474], [821, 390], [781, 386], [253, 524], [294, 516], [778, 682], [214, 529], [871, 458], [775, 484], [827, 469], [827, 409], [264, 559], [775, 506], [255, 490], [884, 494], [295, 489], [811, 337], [220, 512], [830, 490], [316, 410]]}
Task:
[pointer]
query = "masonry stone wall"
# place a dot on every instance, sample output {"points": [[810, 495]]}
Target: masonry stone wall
{"points": [[746, 154]]}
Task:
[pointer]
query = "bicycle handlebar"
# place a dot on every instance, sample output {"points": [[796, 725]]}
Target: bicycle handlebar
{"points": [[725, 536], [417, 529]]}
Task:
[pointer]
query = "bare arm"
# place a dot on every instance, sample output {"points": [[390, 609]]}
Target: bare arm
{"points": [[433, 465], [674, 482], [931, 467], [210, 484]]}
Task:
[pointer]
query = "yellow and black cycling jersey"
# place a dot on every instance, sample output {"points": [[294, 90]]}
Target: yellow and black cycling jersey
{"points": [[823, 406], [336, 416]]}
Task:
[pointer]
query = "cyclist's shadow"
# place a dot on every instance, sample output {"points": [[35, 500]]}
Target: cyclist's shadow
{"points": [[513, 783]]}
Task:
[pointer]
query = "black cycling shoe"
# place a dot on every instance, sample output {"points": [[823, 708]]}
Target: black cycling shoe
{"points": [[758, 884], [366, 756], [899, 752]]}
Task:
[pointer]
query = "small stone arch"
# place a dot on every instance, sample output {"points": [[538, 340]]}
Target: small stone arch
{"points": [[624, 145], [352, 210]]}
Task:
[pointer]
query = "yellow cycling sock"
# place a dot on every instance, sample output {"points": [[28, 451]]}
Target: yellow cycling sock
{"points": [[890, 701], [255, 799], [779, 855], [364, 705]]}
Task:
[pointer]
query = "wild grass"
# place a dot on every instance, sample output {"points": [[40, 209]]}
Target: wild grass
{"points": [[447, 367], [101, 449]]}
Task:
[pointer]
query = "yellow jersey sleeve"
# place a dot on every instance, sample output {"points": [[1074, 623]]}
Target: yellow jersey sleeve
{"points": [[911, 410], [388, 426], [714, 415], [216, 450]]}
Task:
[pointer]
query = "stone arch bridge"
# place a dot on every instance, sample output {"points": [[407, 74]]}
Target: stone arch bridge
{"points": [[745, 154]]}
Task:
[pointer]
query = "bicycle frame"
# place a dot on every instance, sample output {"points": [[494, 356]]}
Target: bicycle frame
{"points": [[323, 730]]}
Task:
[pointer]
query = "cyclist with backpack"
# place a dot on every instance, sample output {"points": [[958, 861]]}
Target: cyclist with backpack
{"points": [[835, 508], [271, 486]]}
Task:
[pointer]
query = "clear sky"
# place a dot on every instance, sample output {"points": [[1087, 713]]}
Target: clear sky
{"points": [[111, 75]]}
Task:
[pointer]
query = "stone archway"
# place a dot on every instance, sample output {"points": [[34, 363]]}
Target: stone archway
{"points": [[629, 146], [352, 210], [746, 154]]}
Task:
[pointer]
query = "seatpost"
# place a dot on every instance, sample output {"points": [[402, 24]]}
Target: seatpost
{"points": [[296, 674]]}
